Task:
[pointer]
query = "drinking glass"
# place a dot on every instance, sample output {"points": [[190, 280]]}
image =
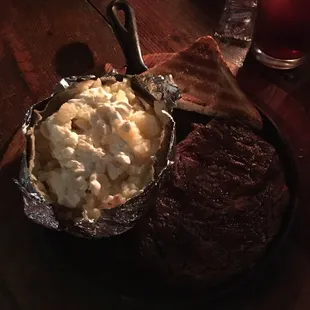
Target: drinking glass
{"points": [[282, 33], [237, 21]]}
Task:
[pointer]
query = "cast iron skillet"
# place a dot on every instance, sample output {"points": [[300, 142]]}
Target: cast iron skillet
{"points": [[127, 35], [91, 266], [128, 39]]}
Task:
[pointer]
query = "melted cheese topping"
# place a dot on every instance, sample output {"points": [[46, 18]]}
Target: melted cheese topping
{"points": [[102, 145]]}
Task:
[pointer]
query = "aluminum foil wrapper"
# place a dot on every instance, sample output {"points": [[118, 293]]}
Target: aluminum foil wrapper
{"points": [[237, 20], [121, 218]]}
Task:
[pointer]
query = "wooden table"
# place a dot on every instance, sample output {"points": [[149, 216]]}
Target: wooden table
{"points": [[43, 40]]}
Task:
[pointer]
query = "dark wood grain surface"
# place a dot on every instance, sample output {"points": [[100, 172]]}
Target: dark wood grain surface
{"points": [[158, 22], [43, 40]]}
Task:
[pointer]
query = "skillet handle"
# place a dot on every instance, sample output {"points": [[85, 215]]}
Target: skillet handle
{"points": [[127, 35]]}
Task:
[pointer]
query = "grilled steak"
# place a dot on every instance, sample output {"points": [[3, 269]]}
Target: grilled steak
{"points": [[207, 85], [219, 209]]}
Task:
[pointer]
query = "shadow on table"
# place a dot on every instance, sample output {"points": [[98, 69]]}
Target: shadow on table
{"points": [[74, 59]]}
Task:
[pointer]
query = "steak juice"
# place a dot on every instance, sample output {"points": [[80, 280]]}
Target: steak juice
{"points": [[282, 32]]}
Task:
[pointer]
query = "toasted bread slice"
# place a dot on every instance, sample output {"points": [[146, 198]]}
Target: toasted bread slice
{"points": [[207, 85]]}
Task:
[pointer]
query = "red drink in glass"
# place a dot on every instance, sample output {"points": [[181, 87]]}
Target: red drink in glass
{"points": [[282, 32]]}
